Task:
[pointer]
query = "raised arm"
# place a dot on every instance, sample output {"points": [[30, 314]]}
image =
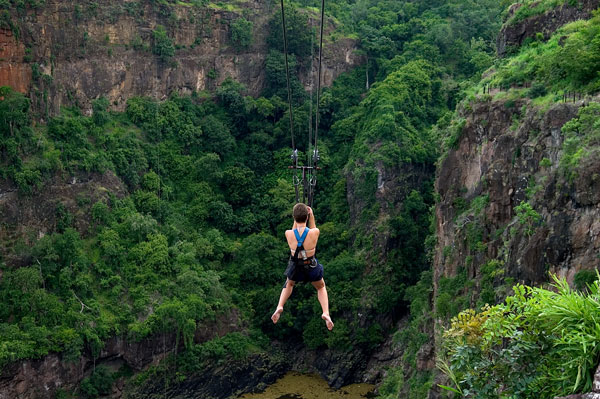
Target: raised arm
{"points": [[311, 219]]}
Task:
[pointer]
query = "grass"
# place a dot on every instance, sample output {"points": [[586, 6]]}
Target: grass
{"points": [[557, 327], [546, 101], [532, 8], [225, 7], [563, 62]]}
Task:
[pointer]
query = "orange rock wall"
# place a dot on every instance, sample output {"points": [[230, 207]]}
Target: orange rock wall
{"points": [[13, 71]]}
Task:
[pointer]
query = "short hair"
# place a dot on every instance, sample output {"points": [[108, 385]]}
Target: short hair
{"points": [[300, 213]]}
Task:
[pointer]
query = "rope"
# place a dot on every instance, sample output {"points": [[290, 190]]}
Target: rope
{"points": [[287, 74], [307, 186], [291, 112], [309, 175], [315, 155], [310, 104], [319, 77]]}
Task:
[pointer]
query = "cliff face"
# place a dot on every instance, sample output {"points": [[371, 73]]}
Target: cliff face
{"points": [[41, 378], [81, 51], [13, 72], [30, 218], [513, 35], [500, 164], [509, 210], [394, 184]]}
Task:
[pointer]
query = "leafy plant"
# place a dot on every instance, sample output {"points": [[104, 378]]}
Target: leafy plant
{"points": [[528, 217], [539, 342], [241, 33], [162, 45]]}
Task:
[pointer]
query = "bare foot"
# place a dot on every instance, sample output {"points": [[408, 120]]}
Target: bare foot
{"points": [[328, 321], [276, 315]]}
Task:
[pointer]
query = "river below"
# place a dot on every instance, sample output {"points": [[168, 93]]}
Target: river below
{"points": [[310, 386]]}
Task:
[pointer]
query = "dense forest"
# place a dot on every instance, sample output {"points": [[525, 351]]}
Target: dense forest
{"points": [[188, 227]]}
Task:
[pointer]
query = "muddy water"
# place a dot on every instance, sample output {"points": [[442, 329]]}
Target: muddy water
{"points": [[310, 386]]}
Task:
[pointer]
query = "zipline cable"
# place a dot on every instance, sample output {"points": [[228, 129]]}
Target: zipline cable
{"points": [[319, 78], [315, 155], [312, 90], [310, 111], [291, 112], [309, 173], [287, 75]]}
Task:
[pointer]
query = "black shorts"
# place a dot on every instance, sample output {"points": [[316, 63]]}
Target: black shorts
{"points": [[302, 274]]}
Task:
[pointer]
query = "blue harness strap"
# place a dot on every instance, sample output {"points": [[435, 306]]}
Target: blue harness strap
{"points": [[301, 238]]}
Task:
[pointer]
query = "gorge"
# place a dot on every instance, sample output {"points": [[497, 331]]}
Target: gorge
{"points": [[145, 192]]}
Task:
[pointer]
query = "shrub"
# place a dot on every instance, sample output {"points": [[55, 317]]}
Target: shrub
{"points": [[99, 383], [538, 89], [14, 111], [539, 343], [581, 134], [163, 45], [241, 33], [585, 278], [528, 217], [28, 180], [100, 108], [545, 163], [100, 212]]}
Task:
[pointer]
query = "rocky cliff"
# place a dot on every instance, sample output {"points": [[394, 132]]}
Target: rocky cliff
{"points": [[27, 219], [13, 71], [43, 378], [518, 188], [68, 53], [504, 197], [511, 208], [513, 34], [224, 380]]}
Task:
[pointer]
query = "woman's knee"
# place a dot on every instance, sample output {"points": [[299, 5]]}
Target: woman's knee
{"points": [[290, 283], [319, 284]]}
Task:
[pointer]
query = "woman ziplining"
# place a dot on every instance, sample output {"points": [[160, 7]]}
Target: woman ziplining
{"points": [[303, 266], [302, 239]]}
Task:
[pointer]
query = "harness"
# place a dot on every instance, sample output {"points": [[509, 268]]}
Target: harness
{"points": [[304, 261]]}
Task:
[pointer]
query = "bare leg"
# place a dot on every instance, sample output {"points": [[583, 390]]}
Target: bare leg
{"points": [[324, 301], [285, 294]]}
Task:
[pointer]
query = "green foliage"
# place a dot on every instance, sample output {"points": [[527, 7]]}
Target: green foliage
{"points": [[528, 217], [28, 180], [532, 8], [197, 227], [569, 60], [219, 350], [14, 112], [406, 378], [454, 133], [99, 383], [276, 76], [100, 108], [545, 163], [538, 89], [241, 33], [298, 32], [489, 271], [394, 117], [539, 342], [582, 137], [452, 295], [585, 278], [162, 45]]}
